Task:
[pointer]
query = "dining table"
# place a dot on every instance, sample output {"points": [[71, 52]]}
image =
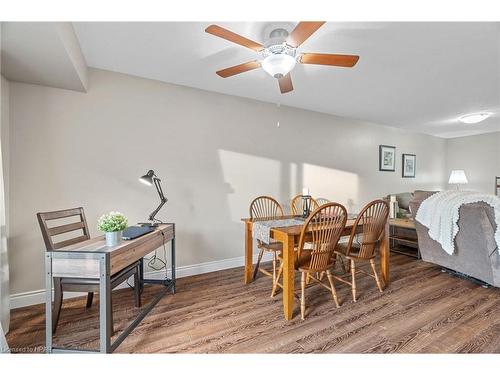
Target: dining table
{"points": [[289, 237]]}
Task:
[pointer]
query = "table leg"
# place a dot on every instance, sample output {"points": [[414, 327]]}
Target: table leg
{"points": [[248, 253], [105, 308], [48, 302], [288, 275], [384, 256]]}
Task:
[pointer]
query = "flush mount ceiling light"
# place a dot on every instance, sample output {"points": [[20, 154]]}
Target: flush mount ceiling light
{"points": [[474, 118]]}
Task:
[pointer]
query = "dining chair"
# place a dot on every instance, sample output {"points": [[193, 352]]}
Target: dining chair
{"points": [[265, 207], [321, 233], [297, 205], [362, 246], [70, 284], [322, 201]]}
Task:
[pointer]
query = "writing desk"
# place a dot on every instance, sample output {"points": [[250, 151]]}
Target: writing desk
{"points": [[289, 237], [92, 259]]}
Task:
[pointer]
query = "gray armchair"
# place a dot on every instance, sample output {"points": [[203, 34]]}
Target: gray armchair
{"points": [[476, 252]]}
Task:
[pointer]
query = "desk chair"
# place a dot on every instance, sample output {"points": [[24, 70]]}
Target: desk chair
{"points": [[68, 284]]}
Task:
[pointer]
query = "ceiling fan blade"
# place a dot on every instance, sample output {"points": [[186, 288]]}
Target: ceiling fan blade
{"points": [[286, 84], [237, 69], [233, 37], [303, 31], [347, 61]]}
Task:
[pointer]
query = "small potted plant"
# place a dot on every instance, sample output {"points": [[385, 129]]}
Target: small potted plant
{"points": [[112, 224]]}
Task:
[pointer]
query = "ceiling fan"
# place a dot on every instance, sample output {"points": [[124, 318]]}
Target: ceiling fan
{"points": [[279, 53]]}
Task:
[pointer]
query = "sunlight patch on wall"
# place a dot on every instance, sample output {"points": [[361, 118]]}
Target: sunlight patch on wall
{"points": [[248, 176], [333, 184]]}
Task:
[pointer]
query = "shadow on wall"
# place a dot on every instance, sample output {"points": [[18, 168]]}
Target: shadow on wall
{"points": [[249, 176]]}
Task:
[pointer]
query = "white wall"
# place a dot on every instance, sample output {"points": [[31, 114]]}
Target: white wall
{"points": [[213, 152], [479, 156]]}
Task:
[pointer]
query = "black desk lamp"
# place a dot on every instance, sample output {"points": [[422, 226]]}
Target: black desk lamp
{"points": [[149, 179]]}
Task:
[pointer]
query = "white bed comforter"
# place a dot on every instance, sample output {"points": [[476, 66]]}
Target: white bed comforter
{"points": [[440, 213]]}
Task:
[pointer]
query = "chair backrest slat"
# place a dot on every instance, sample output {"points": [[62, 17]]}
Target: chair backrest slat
{"points": [[325, 226], [49, 232], [265, 207], [322, 201], [69, 242], [372, 220], [297, 205], [65, 228]]}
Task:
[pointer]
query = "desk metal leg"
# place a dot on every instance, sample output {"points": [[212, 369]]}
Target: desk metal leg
{"points": [[48, 302], [141, 274], [172, 255], [105, 308]]}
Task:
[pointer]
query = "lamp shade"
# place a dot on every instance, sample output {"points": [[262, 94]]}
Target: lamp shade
{"points": [[457, 177], [148, 178]]}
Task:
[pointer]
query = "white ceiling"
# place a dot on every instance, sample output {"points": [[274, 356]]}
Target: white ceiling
{"points": [[418, 76]]}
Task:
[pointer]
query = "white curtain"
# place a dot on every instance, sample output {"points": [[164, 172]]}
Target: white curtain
{"points": [[4, 269]]}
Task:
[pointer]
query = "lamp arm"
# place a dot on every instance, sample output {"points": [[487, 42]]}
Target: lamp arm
{"points": [[153, 214], [163, 200], [159, 189]]}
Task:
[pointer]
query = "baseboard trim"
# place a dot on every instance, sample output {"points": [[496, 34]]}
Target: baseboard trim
{"points": [[36, 297]]}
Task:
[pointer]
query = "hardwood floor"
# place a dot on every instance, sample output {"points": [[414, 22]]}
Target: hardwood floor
{"points": [[423, 311]]}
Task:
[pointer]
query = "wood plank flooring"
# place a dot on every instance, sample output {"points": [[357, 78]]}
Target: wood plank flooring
{"points": [[423, 311]]}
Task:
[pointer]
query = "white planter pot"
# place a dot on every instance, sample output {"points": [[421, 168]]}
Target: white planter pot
{"points": [[113, 238]]}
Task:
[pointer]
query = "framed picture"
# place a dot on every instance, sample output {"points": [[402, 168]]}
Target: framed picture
{"points": [[409, 165], [386, 158]]}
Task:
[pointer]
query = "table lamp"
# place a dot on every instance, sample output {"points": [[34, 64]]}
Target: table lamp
{"points": [[151, 179], [458, 178]]}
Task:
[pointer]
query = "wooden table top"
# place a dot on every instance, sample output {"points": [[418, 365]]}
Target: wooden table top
{"points": [[98, 244], [296, 229]]}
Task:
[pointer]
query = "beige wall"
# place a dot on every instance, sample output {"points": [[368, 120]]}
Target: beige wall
{"points": [[4, 194], [213, 152], [5, 144], [479, 156]]}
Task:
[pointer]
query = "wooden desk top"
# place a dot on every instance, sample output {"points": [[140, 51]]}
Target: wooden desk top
{"points": [[122, 255], [98, 244]]}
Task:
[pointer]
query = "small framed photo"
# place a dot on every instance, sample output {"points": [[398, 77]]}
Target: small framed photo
{"points": [[409, 165], [386, 158]]}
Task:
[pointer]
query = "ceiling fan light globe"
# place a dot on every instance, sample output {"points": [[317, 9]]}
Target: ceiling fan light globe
{"points": [[278, 65]]}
